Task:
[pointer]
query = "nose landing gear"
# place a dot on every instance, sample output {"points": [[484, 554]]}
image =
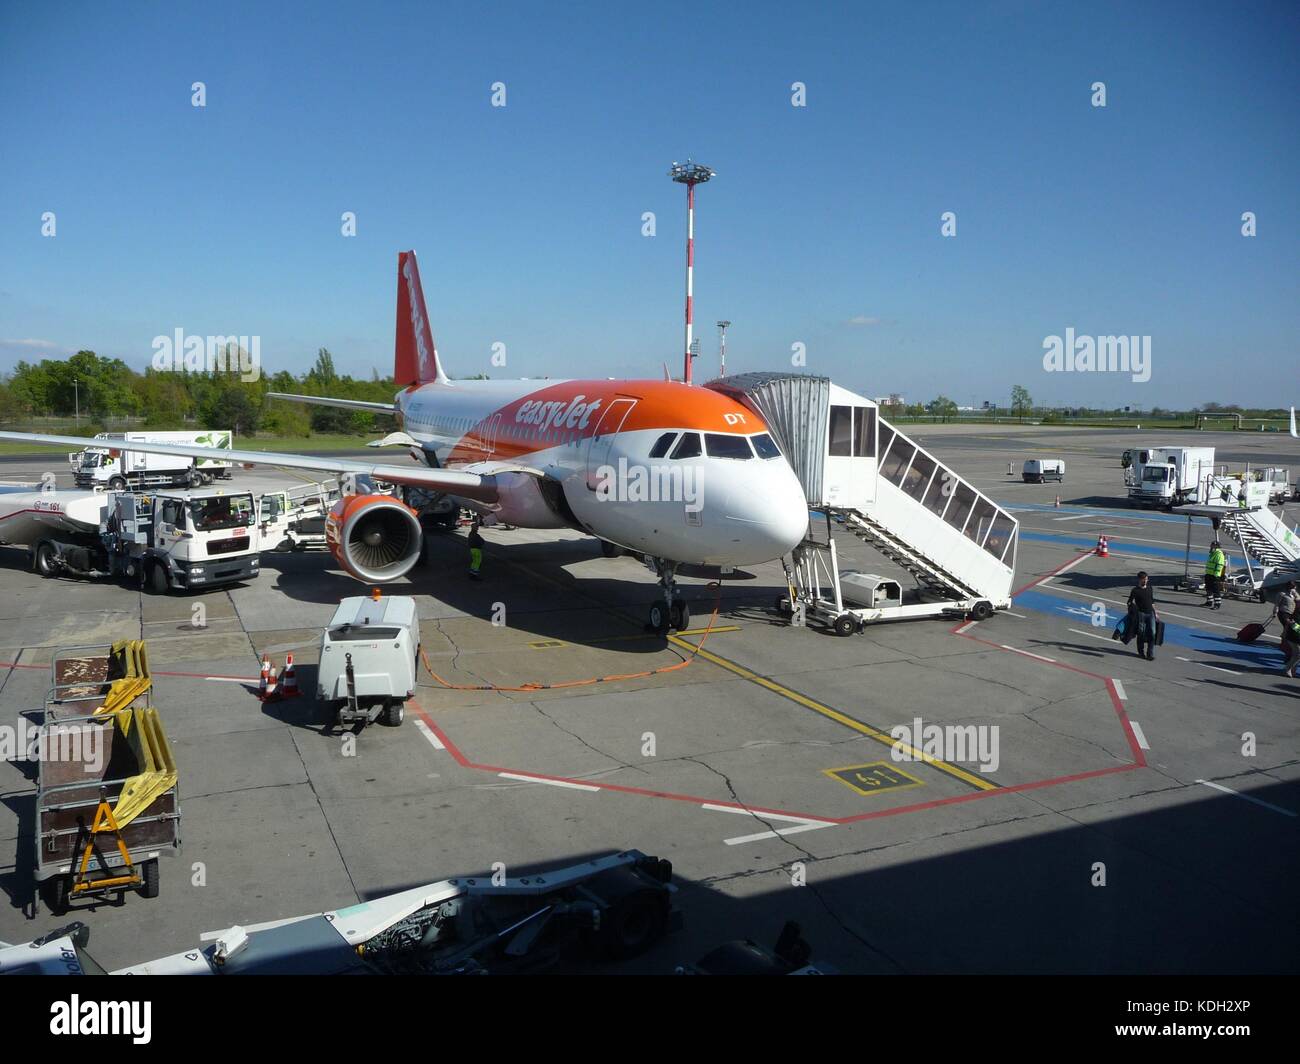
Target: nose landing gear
{"points": [[670, 612]]}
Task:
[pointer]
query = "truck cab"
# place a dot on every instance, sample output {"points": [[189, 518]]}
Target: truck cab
{"points": [[183, 539]]}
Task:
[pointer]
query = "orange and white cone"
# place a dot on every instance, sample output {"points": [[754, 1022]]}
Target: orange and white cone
{"points": [[288, 679], [1103, 548], [266, 676], [272, 692]]}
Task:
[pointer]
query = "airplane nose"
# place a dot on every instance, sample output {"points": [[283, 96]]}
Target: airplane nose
{"points": [[773, 514]]}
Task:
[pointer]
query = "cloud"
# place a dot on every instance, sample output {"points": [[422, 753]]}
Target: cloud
{"points": [[40, 345], [862, 319]]}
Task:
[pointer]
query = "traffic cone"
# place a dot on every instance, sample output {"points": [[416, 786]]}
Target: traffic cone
{"points": [[288, 679], [266, 676], [1058, 502], [1103, 548], [272, 692]]}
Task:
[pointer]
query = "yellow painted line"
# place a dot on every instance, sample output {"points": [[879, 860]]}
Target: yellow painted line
{"points": [[835, 715], [714, 631]]}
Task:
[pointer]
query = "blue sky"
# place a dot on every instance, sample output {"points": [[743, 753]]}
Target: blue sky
{"points": [[821, 228]]}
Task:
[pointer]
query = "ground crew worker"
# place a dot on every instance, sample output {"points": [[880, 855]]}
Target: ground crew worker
{"points": [[475, 552], [1215, 566], [1142, 608]]}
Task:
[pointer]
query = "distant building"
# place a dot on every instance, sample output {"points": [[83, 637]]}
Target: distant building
{"points": [[893, 399]]}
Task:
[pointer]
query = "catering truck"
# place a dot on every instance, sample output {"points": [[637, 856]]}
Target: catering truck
{"points": [[162, 541], [1170, 476], [111, 465]]}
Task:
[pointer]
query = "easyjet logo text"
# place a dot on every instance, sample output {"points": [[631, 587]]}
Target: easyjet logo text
{"points": [[557, 414]]}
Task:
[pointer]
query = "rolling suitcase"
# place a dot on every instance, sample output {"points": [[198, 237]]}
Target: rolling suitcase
{"points": [[1160, 633], [1250, 633]]}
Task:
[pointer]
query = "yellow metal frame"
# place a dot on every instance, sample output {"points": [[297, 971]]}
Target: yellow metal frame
{"points": [[105, 823]]}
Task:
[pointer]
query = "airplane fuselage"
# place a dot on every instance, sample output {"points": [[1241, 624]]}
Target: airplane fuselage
{"points": [[663, 468]]}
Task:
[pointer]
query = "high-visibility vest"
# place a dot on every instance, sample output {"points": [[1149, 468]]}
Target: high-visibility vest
{"points": [[1215, 563]]}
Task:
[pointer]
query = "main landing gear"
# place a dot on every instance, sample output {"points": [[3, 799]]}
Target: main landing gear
{"points": [[670, 612]]}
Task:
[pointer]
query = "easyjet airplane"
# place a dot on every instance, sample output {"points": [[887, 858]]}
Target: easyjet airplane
{"points": [[680, 474]]}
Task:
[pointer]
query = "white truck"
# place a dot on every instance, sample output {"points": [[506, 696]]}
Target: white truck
{"points": [[114, 467], [169, 540], [1170, 476], [1278, 481]]}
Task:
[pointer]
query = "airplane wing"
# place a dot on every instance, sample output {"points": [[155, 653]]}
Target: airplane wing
{"points": [[342, 404], [480, 487]]}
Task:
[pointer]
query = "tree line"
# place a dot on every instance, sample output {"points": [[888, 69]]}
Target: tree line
{"points": [[96, 389]]}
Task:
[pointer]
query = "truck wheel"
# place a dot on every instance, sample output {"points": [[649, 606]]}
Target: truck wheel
{"points": [[116, 483], [149, 889], [845, 624], [158, 582], [982, 610], [633, 924], [56, 894], [45, 561], [394, 714]]}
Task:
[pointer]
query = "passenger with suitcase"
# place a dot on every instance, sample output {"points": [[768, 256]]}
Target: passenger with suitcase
{"points": [[1142, 611], [1288, 603]]}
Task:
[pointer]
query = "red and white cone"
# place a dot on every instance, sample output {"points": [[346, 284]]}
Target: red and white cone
{"points": [[266, 676], [288, 679], [1103, 548], [272, 692]]}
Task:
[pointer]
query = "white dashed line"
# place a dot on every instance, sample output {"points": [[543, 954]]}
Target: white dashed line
{"points": [[1026, 653], [1119, 690], [1092, 635], [1216, 668], [554, 783], [963, 628], [741, 839], [1015, 614], [1256, 801], [427, 732], [1138, 735]]}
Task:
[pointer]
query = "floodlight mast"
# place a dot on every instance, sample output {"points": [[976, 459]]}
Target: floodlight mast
{"points": [[722, 348], [689, 174]]}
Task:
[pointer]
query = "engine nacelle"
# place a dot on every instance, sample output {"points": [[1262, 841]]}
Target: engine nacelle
{"points": [[374, 537]]}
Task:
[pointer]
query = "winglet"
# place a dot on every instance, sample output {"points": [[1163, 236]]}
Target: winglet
{"points": [[415, 358], [1293, 431]]}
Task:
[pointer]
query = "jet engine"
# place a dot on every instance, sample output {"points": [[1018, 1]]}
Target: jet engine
{"points": [[374, 537]]}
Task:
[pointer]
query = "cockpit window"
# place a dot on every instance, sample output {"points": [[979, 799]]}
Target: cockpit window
{"points": [[662, 444], [766, 446], [720, 445], [688, 446]]}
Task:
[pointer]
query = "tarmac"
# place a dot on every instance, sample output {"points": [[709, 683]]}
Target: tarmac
{"points": [[1140, 817]]}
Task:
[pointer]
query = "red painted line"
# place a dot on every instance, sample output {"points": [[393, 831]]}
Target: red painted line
{"points": [[462, 760], [1047, 576], [1133, 744], [977, 795]]}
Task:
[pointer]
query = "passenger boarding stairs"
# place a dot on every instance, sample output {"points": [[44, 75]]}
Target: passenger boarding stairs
{"points": [[929, 575], [1263, 537], [882, 487]]}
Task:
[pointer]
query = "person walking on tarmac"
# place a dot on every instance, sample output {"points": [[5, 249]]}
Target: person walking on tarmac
{"points": [[1215, 566], [1142, 610], [475, 552], [1288, 604]]}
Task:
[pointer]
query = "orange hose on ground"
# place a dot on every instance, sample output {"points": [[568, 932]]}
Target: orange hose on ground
{"points": [[717, 602]]}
